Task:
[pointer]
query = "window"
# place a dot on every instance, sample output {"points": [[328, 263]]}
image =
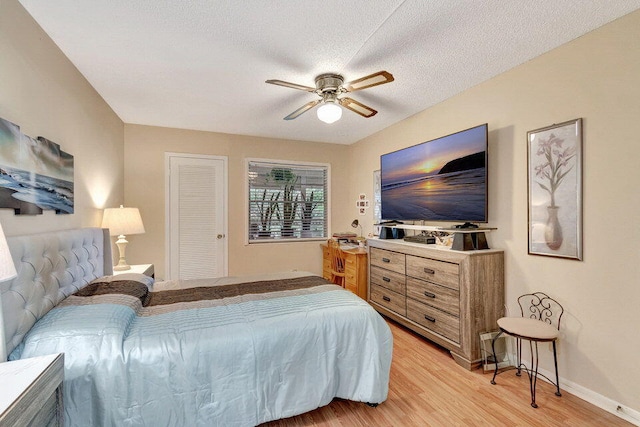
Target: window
{"points": [[287, 200]]}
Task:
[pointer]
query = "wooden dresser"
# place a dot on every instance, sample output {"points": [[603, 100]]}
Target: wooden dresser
{"points": [[355, 269], [447, 296]]}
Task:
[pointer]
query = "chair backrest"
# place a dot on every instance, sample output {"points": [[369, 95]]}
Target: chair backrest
{"points": [[540, 306], [336, 255]]}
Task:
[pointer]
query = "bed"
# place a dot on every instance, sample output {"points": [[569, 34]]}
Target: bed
{"points": [[220, 352]]}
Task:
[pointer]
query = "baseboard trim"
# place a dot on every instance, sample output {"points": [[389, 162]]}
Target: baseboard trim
{"points": [[603, 402]]}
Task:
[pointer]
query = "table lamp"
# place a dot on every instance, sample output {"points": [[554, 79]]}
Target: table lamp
{"points": [[7, 272], [120, 222], [356, 224]]}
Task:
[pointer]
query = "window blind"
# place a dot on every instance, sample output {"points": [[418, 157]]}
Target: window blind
{"points": [[287, 201]]}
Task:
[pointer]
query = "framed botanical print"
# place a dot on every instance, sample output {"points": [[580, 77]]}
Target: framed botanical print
{"points": [[555, 190]]}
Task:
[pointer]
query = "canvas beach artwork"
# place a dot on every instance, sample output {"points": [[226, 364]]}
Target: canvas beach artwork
{"points": [[35, 174]]}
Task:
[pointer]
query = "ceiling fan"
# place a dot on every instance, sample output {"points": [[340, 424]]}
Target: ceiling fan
{"points": [[329, 87]]}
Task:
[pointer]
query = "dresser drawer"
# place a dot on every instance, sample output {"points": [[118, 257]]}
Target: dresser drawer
{"points": [[431, 318], [442, 273], [350, 264], [440, 297], [326, 263], [351, 279], [388, 260], [388, 279], [392, 300]]}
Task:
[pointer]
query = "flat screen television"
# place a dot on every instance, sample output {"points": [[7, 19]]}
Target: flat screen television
{"points": [[440, 180]]}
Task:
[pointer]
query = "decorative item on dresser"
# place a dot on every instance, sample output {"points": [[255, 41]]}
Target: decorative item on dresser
{"points": [[121, 221], [355, 279], [31, 392], [444, 295]]}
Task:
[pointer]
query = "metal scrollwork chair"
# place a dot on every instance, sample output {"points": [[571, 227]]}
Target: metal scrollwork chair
{"points": [[337, 262], [540, 322]]}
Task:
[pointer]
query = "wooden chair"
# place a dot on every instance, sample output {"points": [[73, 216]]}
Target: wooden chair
{"points": [[540, 322], [337, 262]]}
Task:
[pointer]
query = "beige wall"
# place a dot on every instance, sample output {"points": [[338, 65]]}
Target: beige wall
{"points": [[145, 148], [596, 77], [44, 94]]}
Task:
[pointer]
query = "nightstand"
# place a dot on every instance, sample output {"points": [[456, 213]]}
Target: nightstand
{"points": [[146, 269], [31, 392]]}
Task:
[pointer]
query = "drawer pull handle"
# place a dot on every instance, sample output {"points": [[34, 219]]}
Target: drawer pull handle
{"points": [[430, 319], [386, 260], [387, 299], [386, 279], [429, 271], [429, 294]]}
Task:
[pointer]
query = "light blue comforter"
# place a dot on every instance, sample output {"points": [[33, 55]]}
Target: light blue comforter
{"points": [[240, 363]]}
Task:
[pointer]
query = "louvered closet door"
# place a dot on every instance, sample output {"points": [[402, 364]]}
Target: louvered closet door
{"points": [[197, 217]]}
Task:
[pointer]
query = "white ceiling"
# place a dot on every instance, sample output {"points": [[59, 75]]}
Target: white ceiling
{"points": [[202, 64]]}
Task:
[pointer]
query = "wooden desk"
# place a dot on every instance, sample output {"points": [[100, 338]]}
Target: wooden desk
{"points": [[355, 269]]}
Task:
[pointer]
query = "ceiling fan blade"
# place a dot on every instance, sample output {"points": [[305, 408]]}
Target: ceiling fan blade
{"points": [[375, 79], [291, 85], [358, 107], [304, 108]]}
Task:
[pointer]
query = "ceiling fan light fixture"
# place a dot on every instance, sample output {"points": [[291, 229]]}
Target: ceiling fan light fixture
{"points": [[328, 88], [329, 112]]}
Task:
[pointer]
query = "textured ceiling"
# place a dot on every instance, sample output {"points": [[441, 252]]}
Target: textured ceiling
{"points": [[202, 64]]}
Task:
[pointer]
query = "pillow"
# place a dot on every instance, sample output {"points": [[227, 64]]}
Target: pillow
{"points": [[132, 284], [116, 285]]}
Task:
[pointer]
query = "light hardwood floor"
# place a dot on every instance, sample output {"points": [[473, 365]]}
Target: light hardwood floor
{"points": [[427, 388]]}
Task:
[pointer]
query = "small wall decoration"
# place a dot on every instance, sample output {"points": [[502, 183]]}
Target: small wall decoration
{"points": [[35, 174], [362, 204], [555, 190]]}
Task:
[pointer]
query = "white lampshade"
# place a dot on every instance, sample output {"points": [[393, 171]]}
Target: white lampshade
{"points": [[122, 221], [329, 112], [7, 269]]}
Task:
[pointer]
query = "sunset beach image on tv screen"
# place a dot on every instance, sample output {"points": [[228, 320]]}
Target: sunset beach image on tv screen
{"points": [[440, 180]]}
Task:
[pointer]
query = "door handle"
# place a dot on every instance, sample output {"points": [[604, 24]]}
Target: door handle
{"points": [[220, 236]]}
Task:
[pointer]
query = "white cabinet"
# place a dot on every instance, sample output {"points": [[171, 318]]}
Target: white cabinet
{"points": [[31, 392]]}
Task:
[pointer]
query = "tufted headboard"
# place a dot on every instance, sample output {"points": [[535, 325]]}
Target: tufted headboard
{"points": [[50, 267]]}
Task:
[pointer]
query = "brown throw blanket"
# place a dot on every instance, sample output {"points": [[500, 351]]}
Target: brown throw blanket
{"points": [[227, 291], [149, 299]]}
